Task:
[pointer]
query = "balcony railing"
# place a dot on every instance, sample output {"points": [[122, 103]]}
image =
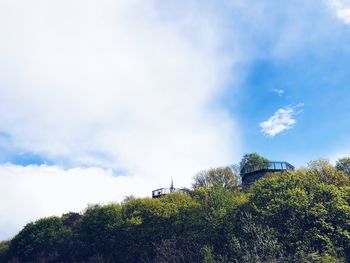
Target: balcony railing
{"points": [[161, 191], [164, 191], [270, 166]]}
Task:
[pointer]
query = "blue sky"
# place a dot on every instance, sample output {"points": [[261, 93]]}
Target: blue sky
{"points": [[317, 77], [100, 100], [319, 81]]}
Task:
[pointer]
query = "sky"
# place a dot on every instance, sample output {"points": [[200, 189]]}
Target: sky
{"points": [[100, 100]]}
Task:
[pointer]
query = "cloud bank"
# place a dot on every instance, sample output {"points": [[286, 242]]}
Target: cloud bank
{"points": [[118, 93], [113, 85], [37, 191]]}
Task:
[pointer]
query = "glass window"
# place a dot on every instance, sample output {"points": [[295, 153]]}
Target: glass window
{"points": [[280, 166]]}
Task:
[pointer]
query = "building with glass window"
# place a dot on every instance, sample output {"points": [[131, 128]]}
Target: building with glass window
{"points": [[252, 173]]}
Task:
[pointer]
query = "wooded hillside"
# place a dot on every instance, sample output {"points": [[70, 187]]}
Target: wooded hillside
{"points": [[294, 216]]}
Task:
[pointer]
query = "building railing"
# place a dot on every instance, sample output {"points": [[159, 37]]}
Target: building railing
{"points": [[161, 191], [270, 166], [164, 191]]}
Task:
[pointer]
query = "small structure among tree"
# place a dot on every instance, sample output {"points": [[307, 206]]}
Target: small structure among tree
{"points": [[251, 173], [164, 191]]}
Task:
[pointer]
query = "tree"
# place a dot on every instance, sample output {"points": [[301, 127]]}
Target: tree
{"points": [[308, 209], [172, 251], [71, 219], [258, 243], [253, 159], [100, 232], [343, 164], [223, 177], [45, 240], [201, 179], [326, 173], [4, 249]]}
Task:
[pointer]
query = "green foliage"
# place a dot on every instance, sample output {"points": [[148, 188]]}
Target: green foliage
{"points": [[343, 164], [295, 216], [223, 176], [253, 159], [100, 231], [4, 248], [257, 243], [174, 251], [208, 256], [308, 208], [45, 239]]}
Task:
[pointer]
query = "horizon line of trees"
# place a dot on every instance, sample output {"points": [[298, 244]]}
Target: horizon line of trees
{"points": [[295, 216]]}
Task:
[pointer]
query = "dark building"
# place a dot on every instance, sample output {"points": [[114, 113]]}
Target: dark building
{"points": [[164, 191], [252, 173]]}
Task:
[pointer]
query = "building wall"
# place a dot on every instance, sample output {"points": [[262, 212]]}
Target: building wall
{"points": [[251, 178]]}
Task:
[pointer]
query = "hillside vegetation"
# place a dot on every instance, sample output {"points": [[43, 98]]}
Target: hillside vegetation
{"points": [[295, 216]]}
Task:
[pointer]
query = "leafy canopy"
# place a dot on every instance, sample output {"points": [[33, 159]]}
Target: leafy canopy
{"points": [[253, 159], [343, 164], [223, 177]]}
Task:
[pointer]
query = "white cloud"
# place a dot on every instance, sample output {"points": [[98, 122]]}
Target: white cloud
{"points": [[108, 84], [282, 120], [341, 8], [279, 92], [31, 192], [111, 84]]}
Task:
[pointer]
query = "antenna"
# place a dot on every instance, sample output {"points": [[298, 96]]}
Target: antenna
{"points": [[172, 186]]}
